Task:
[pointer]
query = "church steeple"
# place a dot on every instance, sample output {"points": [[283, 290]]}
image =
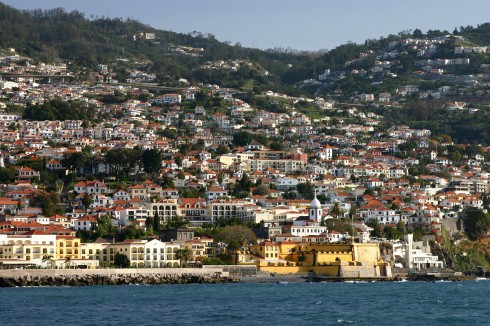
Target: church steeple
{"points": [[316, 211]]}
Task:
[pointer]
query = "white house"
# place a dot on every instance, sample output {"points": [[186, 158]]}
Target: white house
{"points": [[325, 153], [285, 183], [121, 195], [415, 255], [131, 215], [215, 193], [168, 99], [91, 187], [84, 223]]}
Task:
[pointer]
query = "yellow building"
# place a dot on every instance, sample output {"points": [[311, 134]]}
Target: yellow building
{"points": [[67, 247], [94, 250], [36, 248], [30, 248], [350, 260], [165, 209], [201, 247], [141, 253]]}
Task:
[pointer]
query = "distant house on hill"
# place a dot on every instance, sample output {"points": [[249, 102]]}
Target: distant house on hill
{"points": [[91, 187]]}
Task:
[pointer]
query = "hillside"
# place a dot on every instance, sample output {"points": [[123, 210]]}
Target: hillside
{"points": [[59, 35], [435, 67]]}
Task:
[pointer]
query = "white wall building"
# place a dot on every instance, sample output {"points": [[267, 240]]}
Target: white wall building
{"points": [[415, 255]]}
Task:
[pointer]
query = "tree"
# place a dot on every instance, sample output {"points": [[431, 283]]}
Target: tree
{"points": [[417, 33], [477, 223], [261, 190], [176, 222], [369, 191], [150, 220], [48, 201], [243, 138], [103, 227], [242, 188], [87, 200], [123, 160], [121, 260], [419, 233], [75, 161], [47, 258], [306, 190], [178, 160], [151, 160], [276, 146], [67, 261], [336, 211], [235, 236], [131, 232], [157, 223], [377, 231], [289, 195], [222, 149], [392, 233], [184, 255], [7, 174]]}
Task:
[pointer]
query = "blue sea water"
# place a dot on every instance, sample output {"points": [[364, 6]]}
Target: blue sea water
{"points": [[383, 303]]}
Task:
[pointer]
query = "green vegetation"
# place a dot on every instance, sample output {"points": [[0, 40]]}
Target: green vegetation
{"points": [[335, 224], [461, 126], [121, 260], [243, 138], [183, 255], [306, 190], [152, 160], [477, 223], [470, 256], [242, 188], [392, 233], [103, 228], [58, 109], [48, 201], [236, 236]]}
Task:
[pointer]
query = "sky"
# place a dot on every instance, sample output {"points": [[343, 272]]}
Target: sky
{"points": [[296, 24]]}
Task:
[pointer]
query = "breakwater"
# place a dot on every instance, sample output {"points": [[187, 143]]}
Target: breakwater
{"points": [[70, 277]]}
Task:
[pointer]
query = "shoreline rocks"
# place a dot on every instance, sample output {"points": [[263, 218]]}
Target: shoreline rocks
{"points": [[111, 279]]}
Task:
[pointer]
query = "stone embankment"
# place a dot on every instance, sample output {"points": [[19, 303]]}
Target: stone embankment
{"points": [[13, 278]]}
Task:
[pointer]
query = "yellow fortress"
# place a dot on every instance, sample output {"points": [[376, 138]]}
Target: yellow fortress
{"points": [[347, 260]]}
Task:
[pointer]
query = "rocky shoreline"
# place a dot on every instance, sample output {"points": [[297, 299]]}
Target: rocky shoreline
{"points": [[87, 280], [110, 277], [67, 277]]}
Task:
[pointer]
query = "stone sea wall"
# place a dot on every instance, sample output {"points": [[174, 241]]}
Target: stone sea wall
{"points": [[234, 270], [79, 277]]}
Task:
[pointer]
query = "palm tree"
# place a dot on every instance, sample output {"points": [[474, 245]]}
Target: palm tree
{"points": [[336, 211], [87, 200], [47, 258], [67, 261], [183, 255]]}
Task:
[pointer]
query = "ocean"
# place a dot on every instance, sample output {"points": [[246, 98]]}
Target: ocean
{"points": [[381, 303]]}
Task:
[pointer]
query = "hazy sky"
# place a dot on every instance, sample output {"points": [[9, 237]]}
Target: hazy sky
{"points": [[297, 24]]}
